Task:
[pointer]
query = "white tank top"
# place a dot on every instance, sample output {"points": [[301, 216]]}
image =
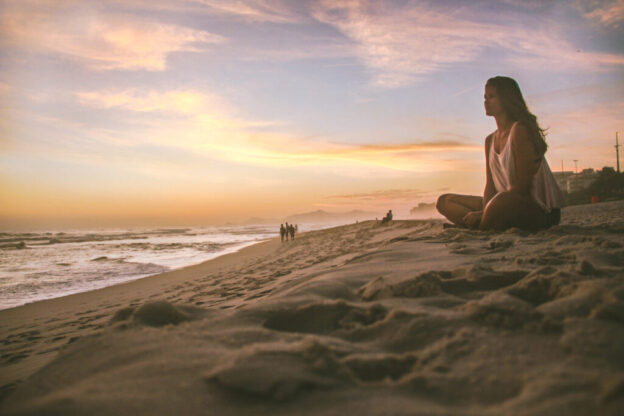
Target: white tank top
{"points": [[544, 188]]}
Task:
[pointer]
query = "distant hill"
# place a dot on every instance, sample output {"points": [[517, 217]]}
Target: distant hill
{"points": [[332, 217], [425, 210]]}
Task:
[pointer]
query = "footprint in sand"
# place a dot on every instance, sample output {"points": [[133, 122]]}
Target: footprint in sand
{"points": [[324, 318], [281, 373], [436, 282], [156, 314]]}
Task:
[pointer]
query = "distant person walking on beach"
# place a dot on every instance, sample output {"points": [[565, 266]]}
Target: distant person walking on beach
{"points": [[291, 230], [520, 189], [282, 232], [287, 231]]}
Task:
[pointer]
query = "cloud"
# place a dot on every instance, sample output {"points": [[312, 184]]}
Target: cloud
{"points": [[386, 195], [101, 40], [607, 13], [175, 101], [416, 157], [172, 108], [254, 10], [399, 43], [207, 124], [402, 44], [257, 11]]}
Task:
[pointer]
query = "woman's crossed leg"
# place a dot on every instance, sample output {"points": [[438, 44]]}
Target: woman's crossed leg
{"points": [[455, 207]]}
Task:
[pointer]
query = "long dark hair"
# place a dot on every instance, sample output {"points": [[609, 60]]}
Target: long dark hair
{"points": [[514, 105]]}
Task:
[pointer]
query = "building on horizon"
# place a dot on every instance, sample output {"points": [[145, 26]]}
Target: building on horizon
{"points": [[580, 181], [562, 179]]}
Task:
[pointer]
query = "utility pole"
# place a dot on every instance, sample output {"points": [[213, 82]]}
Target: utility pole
{"points": [[575, 166], [617, 151]]}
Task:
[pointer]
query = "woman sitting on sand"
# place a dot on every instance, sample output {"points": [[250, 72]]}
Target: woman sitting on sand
{"points": [[520, 189]]}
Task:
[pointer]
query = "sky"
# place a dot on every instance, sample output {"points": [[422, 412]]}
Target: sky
{"points": [[197, 112]]}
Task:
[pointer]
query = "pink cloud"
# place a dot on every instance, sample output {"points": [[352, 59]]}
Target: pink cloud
{"points": [[100, 40], [402, 44], [609, 13]]}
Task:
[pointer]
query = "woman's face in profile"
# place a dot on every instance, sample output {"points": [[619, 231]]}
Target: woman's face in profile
{"points": [[491, 102]]}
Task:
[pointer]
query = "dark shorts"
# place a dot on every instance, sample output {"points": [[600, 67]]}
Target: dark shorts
{"points": [[553, 217]]}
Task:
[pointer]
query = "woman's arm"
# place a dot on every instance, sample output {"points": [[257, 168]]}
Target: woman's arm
{"points": [[526, 161], [473, 218], [490, 190]]}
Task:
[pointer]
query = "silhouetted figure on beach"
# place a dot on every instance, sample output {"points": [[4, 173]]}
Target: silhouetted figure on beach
{"points": [[282, 232], [520, 189], [291, 230], [287, 229], [387, 218]]}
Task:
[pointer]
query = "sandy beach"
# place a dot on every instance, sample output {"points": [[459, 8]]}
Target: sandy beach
{"points": [[405, 318]]}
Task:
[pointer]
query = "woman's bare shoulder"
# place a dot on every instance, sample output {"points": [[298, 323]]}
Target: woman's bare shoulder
{"points": [[519, 126], [488, 143], [519, 134], [521, 141]]}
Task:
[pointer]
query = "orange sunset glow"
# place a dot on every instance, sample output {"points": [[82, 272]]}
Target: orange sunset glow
{"points": [[205, 112]]}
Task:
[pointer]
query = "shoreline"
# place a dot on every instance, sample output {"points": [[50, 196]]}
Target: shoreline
{"points": [[403, 318], [224, 253], [34, 317], [184, 272]]}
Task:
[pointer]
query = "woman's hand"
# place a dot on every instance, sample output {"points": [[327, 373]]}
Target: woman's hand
{"points": [[472, 219]]}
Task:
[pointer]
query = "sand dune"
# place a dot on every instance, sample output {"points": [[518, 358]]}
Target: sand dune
{"points": [[406, 318]]}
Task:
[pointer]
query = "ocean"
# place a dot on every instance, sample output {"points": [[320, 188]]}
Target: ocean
{"points": [[44, 265]]}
